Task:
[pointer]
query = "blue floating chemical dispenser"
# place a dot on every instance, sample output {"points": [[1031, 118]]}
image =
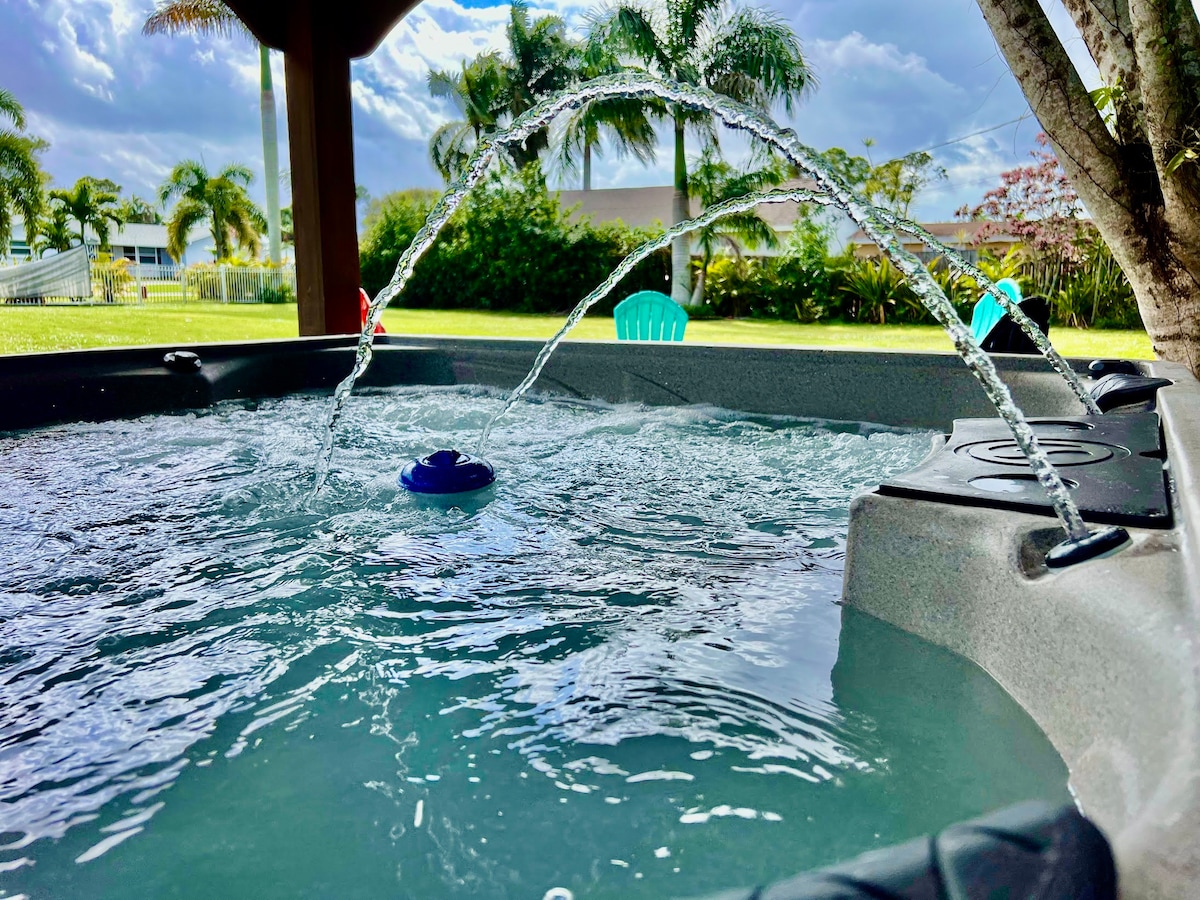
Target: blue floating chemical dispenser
{"points": [[447, 472]]}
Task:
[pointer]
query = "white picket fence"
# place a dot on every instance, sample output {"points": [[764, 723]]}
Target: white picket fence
{"points": [[126, 283]]}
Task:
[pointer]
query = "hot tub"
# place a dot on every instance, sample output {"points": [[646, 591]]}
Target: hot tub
{"points": [[1101, 654]]}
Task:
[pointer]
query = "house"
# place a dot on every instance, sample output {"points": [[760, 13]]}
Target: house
{"points": [[959, 236], [642, 207], [145, 245]]}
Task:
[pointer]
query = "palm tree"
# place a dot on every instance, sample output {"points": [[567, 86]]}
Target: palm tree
{"points": [[626, 122], [89, 204], [713, 181], [214, 17], [480, 91], [221, 200], [20, 175], [53, 232], [491, 91], [749, 55], [542, 65]]}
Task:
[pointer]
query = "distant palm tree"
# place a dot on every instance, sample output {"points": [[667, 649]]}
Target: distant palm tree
{"points": [[140, 211], [542, 65], [214, 17], [220, 200], [491, 91], [90, 205], [54, 232], [627, 123], [749, 55], [713, 181], [20, 175], [480, 91]]}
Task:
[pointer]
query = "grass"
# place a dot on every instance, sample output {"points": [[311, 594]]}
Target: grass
{"points": [[31, 329]]}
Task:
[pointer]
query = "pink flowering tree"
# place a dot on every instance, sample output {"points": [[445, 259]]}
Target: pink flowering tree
{"points": [[1036, 205]]}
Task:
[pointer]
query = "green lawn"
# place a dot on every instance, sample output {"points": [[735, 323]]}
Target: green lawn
{"points": [[29, 329]]}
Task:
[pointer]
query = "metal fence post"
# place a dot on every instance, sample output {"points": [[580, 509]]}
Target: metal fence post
{"points": [[224, 286]]}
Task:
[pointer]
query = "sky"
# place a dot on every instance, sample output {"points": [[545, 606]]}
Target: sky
{"points": [[116, 104]]}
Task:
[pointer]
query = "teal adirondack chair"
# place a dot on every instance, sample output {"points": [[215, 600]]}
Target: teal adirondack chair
{"points": [[649, 316], [988, 311]]}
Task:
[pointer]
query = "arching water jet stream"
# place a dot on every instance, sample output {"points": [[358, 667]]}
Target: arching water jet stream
{"points": [[1081, 543]]}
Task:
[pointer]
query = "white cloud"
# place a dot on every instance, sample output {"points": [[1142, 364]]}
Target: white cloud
{"points": [[415, 121], [853, 53], [91, 72]]}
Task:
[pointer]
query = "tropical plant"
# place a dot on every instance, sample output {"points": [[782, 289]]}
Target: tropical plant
{"points": [[111, 278], [480, 93], [875, 286], [714, 181], [20, 174], [90, 204], [390, 224], [54, 232], [212, 17], [491, 90], [542, 64], [747, 54], [134, 209], [627, 123], [1096, 293], [220, 200], [510, 246]]}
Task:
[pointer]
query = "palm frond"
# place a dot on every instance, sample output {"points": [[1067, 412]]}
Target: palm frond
{"points": [[187, 215], [630, 29], [11, 109], [185, 180], [237, 173], [450, 148], [754, 56], [686, 19], [203, 17]]}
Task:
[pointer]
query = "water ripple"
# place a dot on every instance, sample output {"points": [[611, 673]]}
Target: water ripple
{"points": [[634, 632]]}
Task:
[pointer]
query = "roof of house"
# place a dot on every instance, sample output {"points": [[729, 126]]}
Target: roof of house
{"points": [[644, 206], [954, 233]]}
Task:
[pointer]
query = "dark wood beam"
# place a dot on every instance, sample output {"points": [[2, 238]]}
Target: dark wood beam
{"points": [[321, 144], [319, 38]]}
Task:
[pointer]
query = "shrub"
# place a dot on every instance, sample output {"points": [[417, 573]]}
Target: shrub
{"points": [[510, 246], [276, 293], [389, 226], [111, 279], [801, 285]]}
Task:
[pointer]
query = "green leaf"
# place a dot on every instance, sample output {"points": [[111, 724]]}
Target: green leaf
{"points": [[1187, 154]]}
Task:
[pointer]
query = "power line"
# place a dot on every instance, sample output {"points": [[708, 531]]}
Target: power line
{"points": [[958, 140]]}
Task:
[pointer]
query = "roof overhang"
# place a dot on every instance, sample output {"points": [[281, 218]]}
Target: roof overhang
{"points": [[357, 27]]}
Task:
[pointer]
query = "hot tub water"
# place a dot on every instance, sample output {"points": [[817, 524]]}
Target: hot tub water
{"points": [[620, 671]]}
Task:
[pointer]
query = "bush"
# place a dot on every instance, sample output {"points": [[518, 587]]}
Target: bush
{"points": [[111, 279], [277, 293], [801, 285], [389, 226], [511, 247]]}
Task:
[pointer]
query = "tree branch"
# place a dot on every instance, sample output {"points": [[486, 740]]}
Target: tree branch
{"points": [[1090, 155]]}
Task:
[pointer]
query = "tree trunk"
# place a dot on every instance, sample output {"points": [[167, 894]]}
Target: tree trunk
{"points": [[1146, 216], [681, 248], [697, 298], [270, 139], [587, 167]]}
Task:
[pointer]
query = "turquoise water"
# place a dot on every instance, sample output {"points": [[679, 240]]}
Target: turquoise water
{"points": [[620, 671]]}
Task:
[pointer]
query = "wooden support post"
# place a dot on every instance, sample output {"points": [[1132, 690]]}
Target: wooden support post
{"points": [[317, 66]]}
